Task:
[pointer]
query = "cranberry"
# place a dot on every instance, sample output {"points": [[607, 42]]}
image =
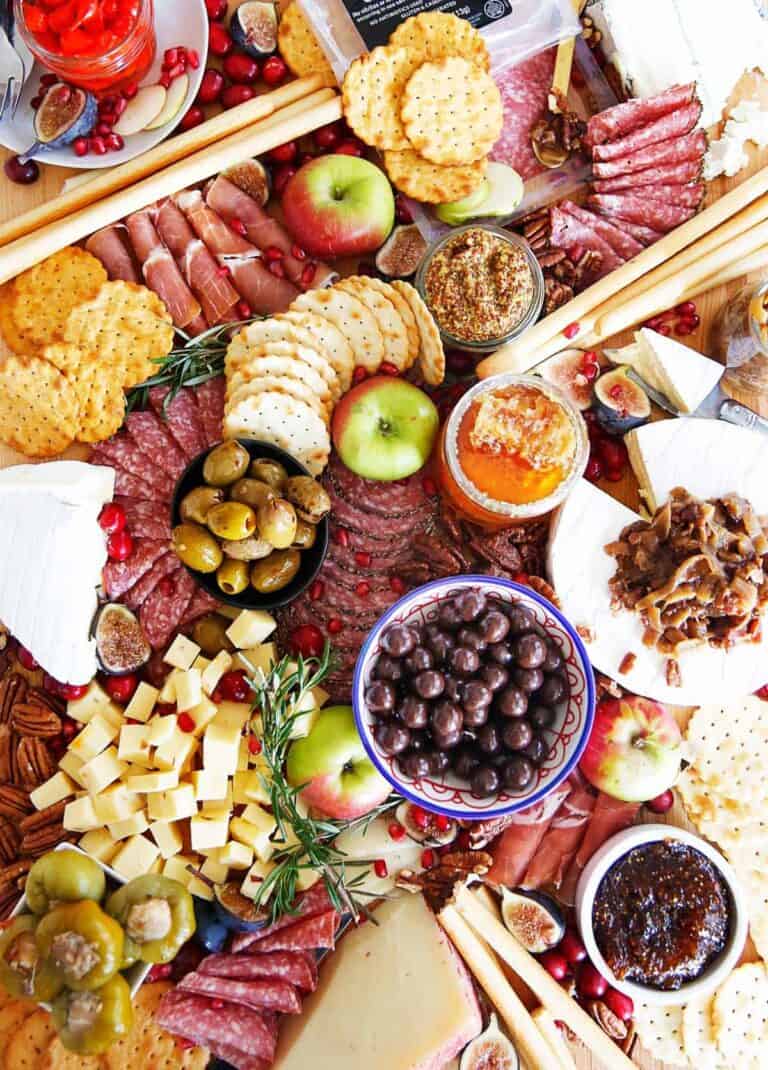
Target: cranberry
{"points": [[686, 309], [210, 87], [219, 41], [234, 686], [254, 744], [241, 68], [274, 70], [397, 585], [234, 95], [363, 559], [327, 137], [186, 722], [72, 692], [621, 1005], [594, 469], [665, 330], [555, 964], [70, 728], [396, 831], [80, 145], [350, 147], [285, 153], [402, 210], [590, 982], [130, 90], [195, 115], [23, 174], [612, 452], [26, 660], [359, 374], [119, 546], [121, 688], [97, 146], [161, 971], [112, 518], [216, 9], [380, 868], [114, 142], [281, 176], [102, 129], [307, 640], [362, 589], [684, 327], [572, 947], [427, 858], [663, 803]]}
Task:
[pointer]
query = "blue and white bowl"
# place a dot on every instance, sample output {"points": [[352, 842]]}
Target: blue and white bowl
{"points": [[448, 794]]}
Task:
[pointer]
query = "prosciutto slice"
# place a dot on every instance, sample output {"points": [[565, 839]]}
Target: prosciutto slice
{"points": [[232, 203], [211, 287], [561, 840], [264, 292], [161, 273], [609, 816], [518, 844], [116, 255]]}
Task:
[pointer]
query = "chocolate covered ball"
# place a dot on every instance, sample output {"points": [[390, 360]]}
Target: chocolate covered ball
{"points": [[380, 697], [495, 676], [465, 661], [517, 773], [485, 781], [391, 737], [429, 684], [448, 616], [471, 638], [501, 654], [517, 734], [470, 605], [399, 640], [441, 644], [489, 739], [537, 750], [414, 765], [388, 668], [418, 660], [512, 702], [464, 762], [541, 716], [530, 650], [553, 690], [413, 712], [554, 659], [493, 626], [446, 718], [528, 680], [521, 618]]}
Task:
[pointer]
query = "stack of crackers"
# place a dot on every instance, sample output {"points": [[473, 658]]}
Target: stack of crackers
{"points": [[28, 1040], [724, 1031], [74, 343], [428, 101], [286, 373], [300, 48]]}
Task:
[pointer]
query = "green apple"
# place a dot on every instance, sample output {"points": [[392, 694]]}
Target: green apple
{"points": [[331, 763], [496, 197], [384, 428], [339, 206]]}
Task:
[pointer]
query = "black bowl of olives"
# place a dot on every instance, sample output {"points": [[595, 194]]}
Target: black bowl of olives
{"points": [[474, 696], [250, 523]]}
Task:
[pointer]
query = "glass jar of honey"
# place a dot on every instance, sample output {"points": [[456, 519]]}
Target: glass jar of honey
{"points": [[511, 450]]}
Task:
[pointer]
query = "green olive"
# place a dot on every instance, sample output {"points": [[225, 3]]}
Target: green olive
{"points": [[195, 505], [252, 492], [196, 547], [225, 464], [232, 520], [275, 571], [250, 549], [210, 634], [267, 471], [305, 535], [232, 576], [277, 523], [311, 501]]}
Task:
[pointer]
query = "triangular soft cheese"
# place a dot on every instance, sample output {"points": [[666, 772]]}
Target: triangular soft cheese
{"points": [[683, 375]]}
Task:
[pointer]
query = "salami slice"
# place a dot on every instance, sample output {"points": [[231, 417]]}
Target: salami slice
{"points": [[616, 122], [675, 124], [201, 603], [524, 90], [123, 451], [676, 150], [383, 527], [153, 439], [292, 966], [623, 244], [160, 614], [119, 576], [568, 233], [181, 417], [210, 402], [161, 570], [689, 196], [668, 174], [271, 995], [126, 483], [236, 1058], [655, 214], [645, 235], [309, 933], [313, 902], [375, 496], [205, 1022], [146, 520]]}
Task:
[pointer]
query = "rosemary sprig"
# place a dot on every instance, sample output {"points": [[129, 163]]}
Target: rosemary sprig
{"points": [[308, 842]]}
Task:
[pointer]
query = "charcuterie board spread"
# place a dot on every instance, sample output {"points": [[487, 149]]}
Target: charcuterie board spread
{"points": [[384, 532]]}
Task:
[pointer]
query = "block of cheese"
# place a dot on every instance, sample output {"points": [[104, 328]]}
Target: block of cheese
{"points": [[243, 756], [250, 628], [208, 832], [99, 845], [135, 857], [235, 855], [219, 807], [181, 653], [177, 868], [254, 879], [134, 745], [168, 690], [419, 983], [189, 689], [131, 826], [209, 784], [254, 831], [172, 805], [95, 700], [102, 770], [94, 738], [256, 659], [70, 764], [221, 741], [176, 750], [56, 788], [80, 816], [680, 373], [161, 729], [151, 782], [116, 804], [214, 870], [202, 714], [142, 702], [167, 836], [215, 670]]}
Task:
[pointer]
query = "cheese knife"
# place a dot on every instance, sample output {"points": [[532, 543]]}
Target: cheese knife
{"points": [[716, 405]]}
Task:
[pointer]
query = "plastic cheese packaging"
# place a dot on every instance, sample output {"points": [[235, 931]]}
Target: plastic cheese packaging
{"points": [[678, 372], [53, 551], [423, 1010]]}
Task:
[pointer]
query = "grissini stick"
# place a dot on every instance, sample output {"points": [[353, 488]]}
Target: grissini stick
{"points": [[548, 1028], [167, 152], [320, 108]]}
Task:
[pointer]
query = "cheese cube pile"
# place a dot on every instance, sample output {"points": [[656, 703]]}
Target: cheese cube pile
{"points": [[149, 796]]}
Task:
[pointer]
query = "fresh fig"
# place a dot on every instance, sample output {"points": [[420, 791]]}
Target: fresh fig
{"points": [[65, 113], [533, 918], [252, 178], [121, 645], [491, 1049], [254, 28], [572, 373], [620, 403], [402, 252], [236, 911], [433, 830]]}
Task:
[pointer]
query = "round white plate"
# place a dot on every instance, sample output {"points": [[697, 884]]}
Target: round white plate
{"points": [[183, 22]]}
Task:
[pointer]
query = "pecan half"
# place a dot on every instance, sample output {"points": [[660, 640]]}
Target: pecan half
{"points": [[41, 840], [11, 873], [609, 1022], [439, 883], [51, 815], [31, 719], [9, 841], [7, 747], [9, 897], [14, 801], [35, 762], [13, 689], [38, 696]]}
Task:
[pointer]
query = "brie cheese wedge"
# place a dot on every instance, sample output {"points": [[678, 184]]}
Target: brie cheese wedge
{"points": [[675, 370], [53, 551], [580, 570]]}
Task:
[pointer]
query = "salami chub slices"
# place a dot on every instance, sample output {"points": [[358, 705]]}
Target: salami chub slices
{"points": [[678, 150], [656, 214], [666, 175], [291, 966], [314, 901], [207, 1022], [119, 576], [625, 118], [259, 995], [669, 126]]}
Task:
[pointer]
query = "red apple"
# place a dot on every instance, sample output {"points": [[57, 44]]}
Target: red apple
{"points": [[633, 752], [339, 206]]}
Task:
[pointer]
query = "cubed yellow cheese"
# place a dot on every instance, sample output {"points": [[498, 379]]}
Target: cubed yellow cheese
{"points": [[201, 663], [255, 833], [94, 738], [209, 784], [168, 690], [70, 764], [80, 816], [160, 730], [95, 700], [56, 788], [256, 659], [156, 867], [133, 745], [207, 832], [142, 702], [176, 750], [167, 836], [219, 807], [189, 689], [235, 855], [200, 889], [248, 787], [99, 845], [214, 870], [102, 770], [202, 714], [181, 653], [306, 878], [243, 755], [131, 826], [151, 782], [172, 805], [116, 804], [254, 879], [221, 742], [214, 671], [252, 627], [177, 869], [135, 857]]}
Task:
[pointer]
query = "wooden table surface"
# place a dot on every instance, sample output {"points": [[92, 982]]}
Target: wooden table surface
{"points": [[15, 199]]}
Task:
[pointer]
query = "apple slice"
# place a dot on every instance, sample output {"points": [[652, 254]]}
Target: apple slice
{"points": [[142, 110], [175, 97]]}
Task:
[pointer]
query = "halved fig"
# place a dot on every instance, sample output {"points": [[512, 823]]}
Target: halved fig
{"points": [[620, 403], [252, 178], [533, 918], [236, 910], [572, 373], [402, 252], [121, 645], [254, 28], [492, 1050], [433, 830], [65, 113]]}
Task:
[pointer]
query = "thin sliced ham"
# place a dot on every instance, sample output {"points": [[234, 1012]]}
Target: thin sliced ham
{"points": [[232, 203], [264, 292], [161, 273], [609, 816], [616, 122], [561, 840], [115, 253], [211, 287], [518, 843]]}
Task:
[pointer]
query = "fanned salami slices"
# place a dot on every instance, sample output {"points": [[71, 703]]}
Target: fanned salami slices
{"points": [[205, 1021], [617, 122], [570, 233], [154, 441], [524, 89], [271, 995], [623, 244], [210, 403], [655, 214], [126, 483], [676, 150], [119, 576], [673, 125], [665, 174], [161, 614], [292, 966], [201, 603], [162, 569], [309, 934], [181, 417], [123, 451], [314, 901]]}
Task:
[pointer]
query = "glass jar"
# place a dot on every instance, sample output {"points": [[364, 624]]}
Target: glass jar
{"points": [[117, 52], [496, 510], [739, 339]]}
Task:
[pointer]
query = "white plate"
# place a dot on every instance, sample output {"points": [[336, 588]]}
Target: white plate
{"points": [[182, 22]]}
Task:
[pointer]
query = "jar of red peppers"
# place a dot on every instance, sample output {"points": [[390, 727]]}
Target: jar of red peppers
{"points": [[100, 45]]}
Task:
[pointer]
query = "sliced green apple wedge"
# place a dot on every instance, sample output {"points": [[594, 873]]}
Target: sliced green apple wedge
{"points": [[174, 98], [142, 110], [502, 190], [460, 211]]}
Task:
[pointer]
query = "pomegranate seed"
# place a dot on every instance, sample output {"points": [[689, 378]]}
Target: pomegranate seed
{"points": [[762, 692], [114, 142], [26, 659], [555, 964], [234, 95], [663, 803], [35, 102], [80, 145], [71, 693], [427, 858], [97, 146], [254, 745], [572, 330], [297, 252], [397, 585], [611, 452], [185, 722], [277, 268], [350, 147], [210, 87], [49, 80], [121, 688], [359, 374], [306, 640], [316, 590], [238, 226], [273, 253], [243, 310], [159, 972], [694, 320], [363, 589], [170, 56], [176, 71], [274, 70], [686, 309], [223, 272], [219, 41], [216, 696], [429, 486], [308, 275], [193, 58], [281, 177], [402, 210], [421, 819], [684, 328], [102, 129], [442, 822], [335, 626], [572, 947], [284, 153], [396, 831], [164, 80], [120, 105], [193, 118], [380, 868], [112, 518], [665, 329], [70, 728], [363, 559], [387, 368], [653, 323], [590, 983], [130, 90], [64, 95], [216, 9], [342, 538], [119, 546], [621, 1005], [521, 577]]}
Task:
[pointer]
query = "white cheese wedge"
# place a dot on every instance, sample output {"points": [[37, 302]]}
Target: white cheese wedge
{"points": [[678, 372], [419, 983], [580, 570], [53, 551]]}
